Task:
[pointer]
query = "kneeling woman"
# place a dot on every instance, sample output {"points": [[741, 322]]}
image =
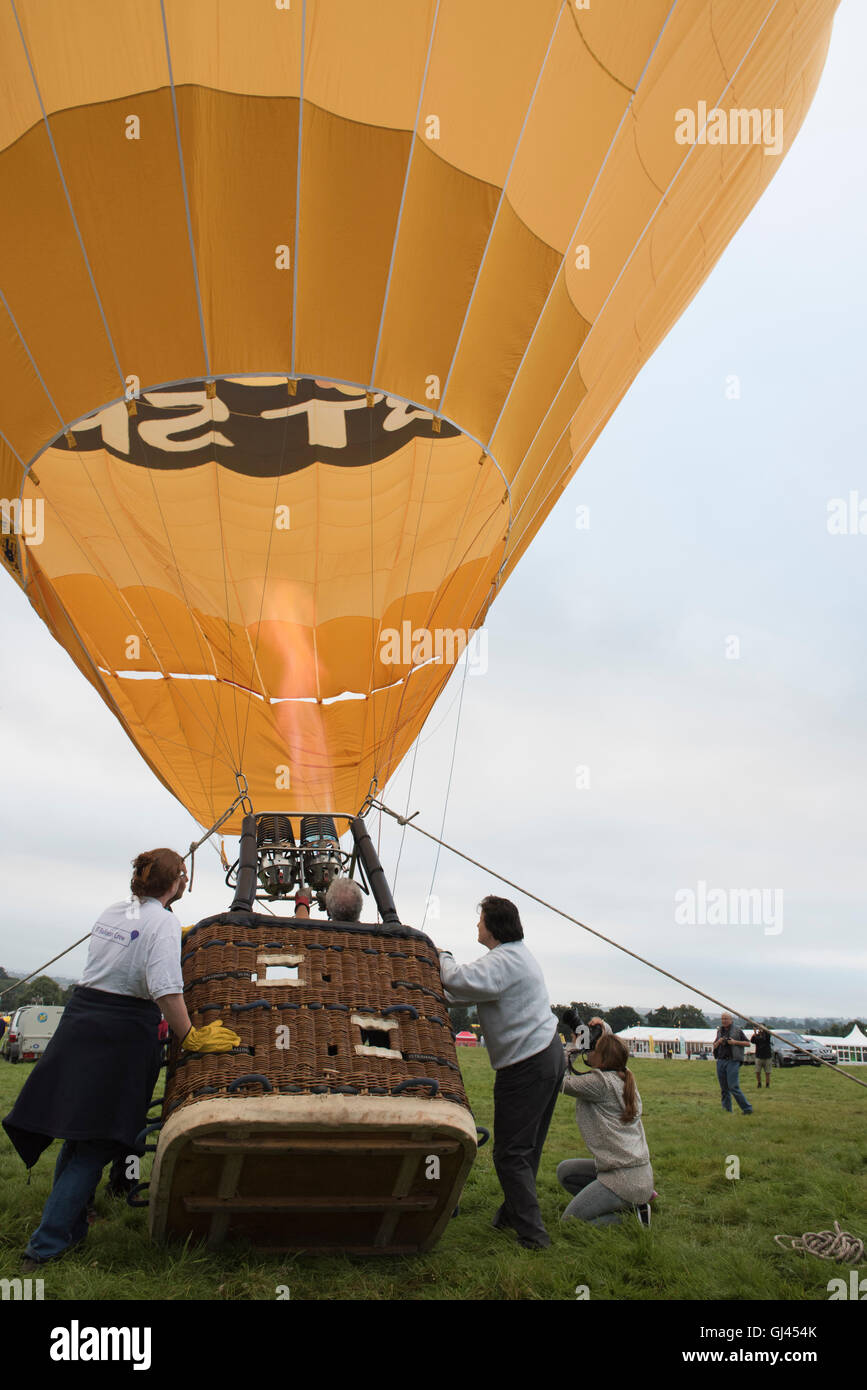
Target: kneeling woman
{"points": [[618, 1177], [93, 1086]]}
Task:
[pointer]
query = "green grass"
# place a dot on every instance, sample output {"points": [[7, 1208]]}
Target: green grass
{"points": [[802, 1157]]}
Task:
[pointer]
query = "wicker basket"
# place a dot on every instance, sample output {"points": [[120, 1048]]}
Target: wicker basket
{"points": [[341, 1121]]}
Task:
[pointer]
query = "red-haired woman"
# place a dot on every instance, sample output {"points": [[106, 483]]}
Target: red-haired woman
{"points": [[618, 1177], [94, 1083]]}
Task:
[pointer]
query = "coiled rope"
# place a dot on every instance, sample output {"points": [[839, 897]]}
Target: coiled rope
{"points": [[828, 1245]]}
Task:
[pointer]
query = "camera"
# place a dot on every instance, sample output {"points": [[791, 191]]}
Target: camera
{"points": [[586, 1035]]}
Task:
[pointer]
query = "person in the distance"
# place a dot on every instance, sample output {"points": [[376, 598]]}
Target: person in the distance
{"points": [[761, 1041], [94, 1083], [728, 1049], [520, 1032], [618, 1177]]}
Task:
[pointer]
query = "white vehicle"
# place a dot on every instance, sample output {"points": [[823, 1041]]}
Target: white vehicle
{"points": [[30, 1032]]}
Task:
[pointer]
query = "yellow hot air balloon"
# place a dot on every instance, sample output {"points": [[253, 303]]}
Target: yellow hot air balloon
{"points": [[310, 309]]}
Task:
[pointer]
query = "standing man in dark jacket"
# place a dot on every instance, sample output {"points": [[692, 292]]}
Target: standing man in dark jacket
{"points": [[728, 1048], [520, 1031], [761, 1041]]}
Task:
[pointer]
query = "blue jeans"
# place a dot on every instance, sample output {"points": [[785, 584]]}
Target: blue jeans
{"points": [[592, 1201], [728, 1075], [64, 1216]]}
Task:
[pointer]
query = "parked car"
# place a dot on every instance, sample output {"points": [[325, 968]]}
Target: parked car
{"points": [[30, 1032], [9, 1037], [796, 1051]]}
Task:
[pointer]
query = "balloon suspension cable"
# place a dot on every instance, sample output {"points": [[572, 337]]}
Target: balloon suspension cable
{"points": [[242, 799], [370, 799], [727, 1008]]}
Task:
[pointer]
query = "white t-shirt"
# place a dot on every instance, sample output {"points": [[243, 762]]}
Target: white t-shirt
{"points": [[135, 948]]}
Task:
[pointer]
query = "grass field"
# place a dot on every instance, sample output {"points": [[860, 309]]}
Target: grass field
{"points": [[802, 1156]]}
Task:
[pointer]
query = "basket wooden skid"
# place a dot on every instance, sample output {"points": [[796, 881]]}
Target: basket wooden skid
{"points": [[319, 1173]]}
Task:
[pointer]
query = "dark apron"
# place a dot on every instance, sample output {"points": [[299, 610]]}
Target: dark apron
{"points": [[96, 1077]]}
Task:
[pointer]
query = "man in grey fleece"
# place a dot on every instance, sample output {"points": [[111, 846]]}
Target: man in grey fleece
{"points": [[524, 1049]]}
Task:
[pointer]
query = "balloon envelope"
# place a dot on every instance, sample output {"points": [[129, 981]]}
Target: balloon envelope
{"points": [[309, 313]]}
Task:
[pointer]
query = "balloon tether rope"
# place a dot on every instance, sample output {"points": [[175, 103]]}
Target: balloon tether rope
{"points": [[727, 1008]]}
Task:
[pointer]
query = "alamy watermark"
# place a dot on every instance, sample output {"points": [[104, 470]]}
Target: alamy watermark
{"points": [[847, 516], [419, 646], [856, 1289], [729, 907], [25, 519], [26, 1289], [739, 126]]}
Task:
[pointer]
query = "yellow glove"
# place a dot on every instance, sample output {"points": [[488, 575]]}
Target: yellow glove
{"points": [[184, 930], [212, 1038]]}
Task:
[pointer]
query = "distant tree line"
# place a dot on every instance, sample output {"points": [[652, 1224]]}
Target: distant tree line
{"points": [[624, 1016], [41, 990]]}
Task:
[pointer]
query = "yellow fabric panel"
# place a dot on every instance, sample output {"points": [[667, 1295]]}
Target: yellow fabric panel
{"points": [[735, 27], [144, 269], [499, 325], [48, 290], [10, 473], [236, 47], [568, 132], [573, 393], [102, 621], [686, 69], [19, 104], [621, 33], [173, 639], [533, 492], [485, 62], [610, 227], [28, 415], [808, 49], [558, 476], [188, 750], [708, 199], [231, 650], [134, 522], [444, 228], [468, 593], [239, 155], [367, 66], [559, 336], [351, 182], [345, 661], [99, 50], [440, 627]]}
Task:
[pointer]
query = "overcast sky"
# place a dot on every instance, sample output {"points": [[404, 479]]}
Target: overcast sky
{"points": [[607, 652]]}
